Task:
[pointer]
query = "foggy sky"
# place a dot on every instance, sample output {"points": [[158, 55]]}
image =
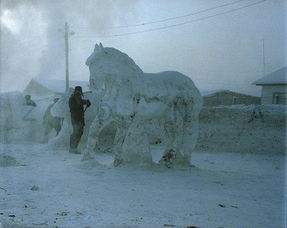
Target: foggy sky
{"points": [[221, 52]]}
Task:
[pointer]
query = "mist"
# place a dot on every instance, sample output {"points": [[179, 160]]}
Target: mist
{"points": [[32, 36], [224, 52]]}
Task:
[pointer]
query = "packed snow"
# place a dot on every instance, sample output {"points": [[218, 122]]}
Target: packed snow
{"points": [[221, 190], [231, 129]]}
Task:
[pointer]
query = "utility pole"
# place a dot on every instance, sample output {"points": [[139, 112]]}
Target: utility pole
{"points": [[263, 47], [67, 54]]}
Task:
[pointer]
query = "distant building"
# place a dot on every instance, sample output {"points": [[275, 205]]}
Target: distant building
{"points": [[274, 87], [226, 97], [51, 87]]}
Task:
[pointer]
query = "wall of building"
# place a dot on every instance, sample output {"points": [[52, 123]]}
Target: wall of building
{"points": [[268, 93]]}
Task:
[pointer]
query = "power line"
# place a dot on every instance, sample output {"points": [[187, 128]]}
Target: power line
{"points": [[191, 21], [177, 17], [182, 23], [173, 18]]}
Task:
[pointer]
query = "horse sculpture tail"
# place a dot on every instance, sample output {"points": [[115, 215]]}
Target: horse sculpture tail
{"points": [[190, 127]]}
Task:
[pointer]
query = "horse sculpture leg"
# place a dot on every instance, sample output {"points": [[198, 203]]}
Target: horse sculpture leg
{"points": [[132, 144], [190, 127], [118, 142], [94, 131], [177, 128], [173, 153], [122, 142]]}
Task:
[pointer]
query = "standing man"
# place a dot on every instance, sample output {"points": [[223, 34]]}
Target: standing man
{"points": [[76, 104]]}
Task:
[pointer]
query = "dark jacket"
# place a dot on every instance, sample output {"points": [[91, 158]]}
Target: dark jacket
{"points": [[30, 103], [76, 104]]}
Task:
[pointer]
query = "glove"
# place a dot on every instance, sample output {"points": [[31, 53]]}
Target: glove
{"points": [[88, 103]]}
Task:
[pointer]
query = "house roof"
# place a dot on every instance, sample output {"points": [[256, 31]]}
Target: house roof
{"points": [[278, 77], [59, 86], [218, 91]]}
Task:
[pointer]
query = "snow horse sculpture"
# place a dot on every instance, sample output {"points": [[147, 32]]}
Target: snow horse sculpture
{"points": [[145, 109]]}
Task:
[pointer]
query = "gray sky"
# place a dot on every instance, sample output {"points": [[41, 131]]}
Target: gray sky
{"points": [[218, 52]]}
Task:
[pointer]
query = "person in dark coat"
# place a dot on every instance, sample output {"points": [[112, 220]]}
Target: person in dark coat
{"points": [[76, 104], [29, 101]]}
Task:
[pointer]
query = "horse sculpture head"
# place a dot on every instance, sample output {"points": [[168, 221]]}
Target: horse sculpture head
{"points": [[109, 62]]}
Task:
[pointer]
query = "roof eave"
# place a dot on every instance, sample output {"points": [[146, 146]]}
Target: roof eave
{"points": [[269, 84]]}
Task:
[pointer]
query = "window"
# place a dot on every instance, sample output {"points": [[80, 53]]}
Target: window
{"points": [[234, 101], [279, 98]]}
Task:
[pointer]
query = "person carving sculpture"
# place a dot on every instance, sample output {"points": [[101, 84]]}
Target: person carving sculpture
{"points": [[29, 101], [76, 105]]}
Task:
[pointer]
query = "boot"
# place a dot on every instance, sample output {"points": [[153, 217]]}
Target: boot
{"points": [[74, 151]]}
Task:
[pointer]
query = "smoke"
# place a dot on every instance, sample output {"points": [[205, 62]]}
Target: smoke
{"points": [[32, 34], [20, 44]]}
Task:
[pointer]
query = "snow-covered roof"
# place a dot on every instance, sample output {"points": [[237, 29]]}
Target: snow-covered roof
{"points": [[59, 86], [278, 77]]}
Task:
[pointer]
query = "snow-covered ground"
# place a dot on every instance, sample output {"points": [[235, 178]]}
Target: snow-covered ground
{"points": [[228, 129], [56, 189]]}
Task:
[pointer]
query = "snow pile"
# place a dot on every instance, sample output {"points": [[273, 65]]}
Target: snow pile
{"points": [[166, 104], [228, 129]]}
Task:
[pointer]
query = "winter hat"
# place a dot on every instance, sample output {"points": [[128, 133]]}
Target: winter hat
{"points": [[78, 88]]}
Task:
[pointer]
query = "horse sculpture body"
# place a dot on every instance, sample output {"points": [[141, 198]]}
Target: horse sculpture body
{"points": [[144, 108]]}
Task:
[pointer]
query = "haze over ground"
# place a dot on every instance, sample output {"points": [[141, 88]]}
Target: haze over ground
{"points": [[219, 44]]}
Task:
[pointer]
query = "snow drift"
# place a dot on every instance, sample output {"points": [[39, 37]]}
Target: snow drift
{"points": [[226, 129]]}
